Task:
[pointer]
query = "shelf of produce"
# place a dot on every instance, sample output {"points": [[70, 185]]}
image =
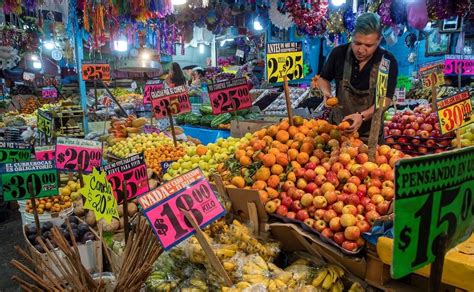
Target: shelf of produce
{"points": [[205, 135]]}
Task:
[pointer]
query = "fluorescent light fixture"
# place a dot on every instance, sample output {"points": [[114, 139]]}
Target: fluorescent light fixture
{"points": [[338, 2], [201, 48], [178, 2], [34, 57], [49, 45], [256, 24], [223, 42], [37, 65]]}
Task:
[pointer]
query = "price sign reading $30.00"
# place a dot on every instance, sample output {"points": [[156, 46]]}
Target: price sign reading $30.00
{"points": [[45, 152], [229, 96], [71, 152], [455, 112], [14, 152], [284, 59], [96, 72], [45, 123], [42, 176], [170, 101], [133, 170], [435, 195]]}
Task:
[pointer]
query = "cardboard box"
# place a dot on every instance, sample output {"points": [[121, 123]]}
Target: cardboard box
{"points": [[247, 204], [378, 273], [239, 128]]}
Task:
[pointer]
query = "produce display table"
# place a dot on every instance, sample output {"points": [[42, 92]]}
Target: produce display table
{"points": [[458, 264], [206, 136]]}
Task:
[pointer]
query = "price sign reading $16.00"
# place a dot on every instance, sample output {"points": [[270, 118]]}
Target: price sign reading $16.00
{"points": [[71, 152], [14, 152], [45, 123], [284, 59], [133, 170], [150, 86], [96, 71], [435, 195], [45, 152], [455, 112], [42, 176], [229, 96], [170, 101]]}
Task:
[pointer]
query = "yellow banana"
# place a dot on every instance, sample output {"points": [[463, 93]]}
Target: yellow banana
{"points": [[339, 270], [292, 283], [260, 262], [271, 285], [284, 276], [356, 287], [327, 283], [318, 280], [280, 284], [274, 268], [243, 285], [229, 266], [333, 273], [254, 279], [265, 282]]}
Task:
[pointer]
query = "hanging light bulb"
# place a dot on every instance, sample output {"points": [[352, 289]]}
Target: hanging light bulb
{"points": [[201, 48], [49, 45], [178, 2], [121, 44], [37, 65], [338, 2], [256, 24]]}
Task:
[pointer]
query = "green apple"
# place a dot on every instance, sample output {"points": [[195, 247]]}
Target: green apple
{"points": [[187, 165], [194, 165], [175, 165], [195, 159]]}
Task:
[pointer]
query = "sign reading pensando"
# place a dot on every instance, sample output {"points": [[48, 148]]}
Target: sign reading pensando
{"points": [[284, 59]]}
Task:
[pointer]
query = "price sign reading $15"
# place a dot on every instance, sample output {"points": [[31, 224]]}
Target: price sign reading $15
{"points": [[45, 123], [168, 222], [455, 112], [150, 86], [133, 170], [42, 176], [435, 195], [284, 59], [14, 152], [45, 152], [99, 197], [72, 152], [170, 101], [229, 96]]}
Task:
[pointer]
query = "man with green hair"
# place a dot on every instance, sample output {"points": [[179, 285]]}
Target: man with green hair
{"points": [[354, 67]]}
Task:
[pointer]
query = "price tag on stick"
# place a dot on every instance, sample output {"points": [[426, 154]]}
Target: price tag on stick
{"points": [[459, 65], [229, 96], [45, 123], [71, 152], [455, 112], [170, 101], [41, 175], [45, 152], [165, 165], [284, 59], [435, 196], [14, 152]]}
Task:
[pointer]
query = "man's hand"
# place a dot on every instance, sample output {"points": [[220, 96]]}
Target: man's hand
{"points": [[356, 122]]}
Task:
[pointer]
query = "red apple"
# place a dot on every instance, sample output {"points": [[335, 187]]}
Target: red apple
{"points": [[376, 199], [343, 175], [335, 224], [352, 232], [360, 209], [365, 200], [331, 197], [298, 194], [338, 206], [291, 215], [409, 132], [329, 215], [309, 222], [362, 158], [287, 201], [300, 172], [388, 193], [332, 178], [342, 197], [319, 225], [311, 187], [307, 200], [327, 233], [355, 180], [319, 214], [348, 220], [287, 185], [382, 208], [360, 242], [422, 150], [320, 202], [370, 207], [282, 210], [317, 192], [362, 188], [349, 188], [372, 216], [363, 226], [339, 237], [424, 134], [302, 215], [320, 179], [349, 245], [361, 173], [301, 183], [349, 209], [309, 175], [296, 206], [310, 165], [427, 127]]}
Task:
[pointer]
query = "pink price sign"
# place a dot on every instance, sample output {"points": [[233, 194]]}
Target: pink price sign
{"points": [[149, 88], [44, 153], [170, 101], [49, 92], [228, 96], [133, 170], [459, 65], [72, 152], [169, 223]]}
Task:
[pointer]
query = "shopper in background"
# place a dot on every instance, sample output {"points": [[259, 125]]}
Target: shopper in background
{"points": [[175, 76], [354, 67], [198, 77]]}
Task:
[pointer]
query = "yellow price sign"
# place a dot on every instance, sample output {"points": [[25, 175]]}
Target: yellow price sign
{"points": [[45, 123], [382, 80], [455, 112], [432, 75], [284, 59], [99, 196]]}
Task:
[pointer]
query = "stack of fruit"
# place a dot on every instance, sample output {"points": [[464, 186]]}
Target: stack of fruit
{"points": [[416, 132], [467, 136], [312, 173], [122, 128], [154, 157], [139, 143]]}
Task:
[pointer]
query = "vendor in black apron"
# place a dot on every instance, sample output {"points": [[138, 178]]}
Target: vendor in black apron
{"points": [[355, 66]]}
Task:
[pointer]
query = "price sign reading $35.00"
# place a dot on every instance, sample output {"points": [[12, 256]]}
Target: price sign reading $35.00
{"points": [[284, 59], [435, 195], [42, 176], [133, 170], [455, 112], [14, 152], [229, 96], [45, 123], [170, 101], [71, 152], [45, 152]]}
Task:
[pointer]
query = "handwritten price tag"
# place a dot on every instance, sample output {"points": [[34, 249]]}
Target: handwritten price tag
{"points": [[459, 64], [96, 72], [41, 175], [169, 223], [284, 59], [150, 86], [71, 152], [49, 92], [432, 74], [134, 171], [45, 123], [99, 198], [14, 152], [45, 152], [435, 195], [455, 112], [170, 101], [229, 96]]}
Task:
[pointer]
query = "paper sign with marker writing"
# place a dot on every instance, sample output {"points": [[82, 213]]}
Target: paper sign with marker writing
{"points": [[45, 152], [284, 59], [14, 152], [49, 92], [455, 112], [165, 165], [99, 197], [96, 72], [72, 152], [170, 101], [459, 65], [229, 96], [151, 86], [45, 123], [432, 74]]}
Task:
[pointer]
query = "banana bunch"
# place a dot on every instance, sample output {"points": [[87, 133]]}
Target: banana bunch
{"points": [[329, 278], [159, 281], [356, 287], [197, 255], [195, 285], [216, 228]]}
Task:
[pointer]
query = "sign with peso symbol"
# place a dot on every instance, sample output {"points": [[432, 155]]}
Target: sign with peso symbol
{"points": [[16, 178], [72, 152], [99, 197], [45, 152], [229, 96], [14, 152], [170, 101], [99, 71], [459, 65], [151, 86], [284, 59], [455, 112], [432, 74], [49, 92], [435, 195]]}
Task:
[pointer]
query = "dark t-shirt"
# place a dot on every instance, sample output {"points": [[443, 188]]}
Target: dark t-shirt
{"points": [[334, 67]]}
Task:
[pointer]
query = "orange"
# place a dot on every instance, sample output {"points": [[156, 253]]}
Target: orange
{"points": [[332, 101], [304, 130], [201, 150], [295, 145], [272, 131], [307, 148], [295, 165], [269, 160], [263, 173], [238, 181], [343, 125], [259, 185], [260, 133], [258, 145], [277, 169], [282, 136], [302, 158], [293, 131], [273, 181], [326, 137], [239, 153], [284, 125], [274, 151], [292, 154], [259, 156], [263, 195], [245, 161], [283, 148], [249, 152], [282, 159], [299, 137], [291, 176], [272, 193], [268, 140]]}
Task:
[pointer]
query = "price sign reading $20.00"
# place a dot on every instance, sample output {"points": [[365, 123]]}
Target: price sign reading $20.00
{"points": [[455, 112], [170, 101], [150, 86], [133, 170], [96, 72], [435, 195], [42, 176], [14, 152], [71, 152], [229, 96], [284, 59], [45, 123], [45, 152]]}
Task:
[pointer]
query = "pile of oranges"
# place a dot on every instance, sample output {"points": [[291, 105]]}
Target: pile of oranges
{"points": [[155, 156], [52, 204]]}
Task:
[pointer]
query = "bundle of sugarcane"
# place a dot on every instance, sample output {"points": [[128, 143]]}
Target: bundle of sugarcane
{"points": [[69, 275], [141, 251]]}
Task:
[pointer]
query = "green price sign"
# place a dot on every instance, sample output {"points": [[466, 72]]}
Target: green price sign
{"points": [[17, 177], [434, 195], [14, 152]]}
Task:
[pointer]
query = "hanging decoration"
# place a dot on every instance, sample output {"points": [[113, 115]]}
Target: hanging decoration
{"points": [[279, 19], [312, 20], [417, 14], [335, 23], [349, 20], [9, 57], [373, 6], [398, 13], [384, 12]]}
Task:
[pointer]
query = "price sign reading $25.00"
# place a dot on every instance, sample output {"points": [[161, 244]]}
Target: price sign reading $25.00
{"points": [[14, 152], [150, 86], [71, 152], [133, 170], [455, 112], [45, 152], [284, 59], [42, 176], [45, 123], [170, 101], [96, 72], [229, 96], [435, 195]]}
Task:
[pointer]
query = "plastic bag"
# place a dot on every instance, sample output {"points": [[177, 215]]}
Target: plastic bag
{"points": [[417, 14]]}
